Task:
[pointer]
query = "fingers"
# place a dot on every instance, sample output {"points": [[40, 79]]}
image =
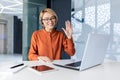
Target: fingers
{"points": [[68, 30], [67, 24], [44, 59], [64, 30]]}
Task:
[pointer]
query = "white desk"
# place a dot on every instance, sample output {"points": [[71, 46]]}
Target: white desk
{"points": [[109, 70]]}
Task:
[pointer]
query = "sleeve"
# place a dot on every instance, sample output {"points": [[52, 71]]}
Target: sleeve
{"points": [[32, 54], [68, 46]]}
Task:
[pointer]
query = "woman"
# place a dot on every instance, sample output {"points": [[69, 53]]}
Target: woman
{"points": [[47, 43]]}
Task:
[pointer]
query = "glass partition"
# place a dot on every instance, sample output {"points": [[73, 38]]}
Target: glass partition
{"points": [[94, 16], [30, 21]]}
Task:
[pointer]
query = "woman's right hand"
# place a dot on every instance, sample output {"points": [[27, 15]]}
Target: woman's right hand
{"points": [[44, 59]]}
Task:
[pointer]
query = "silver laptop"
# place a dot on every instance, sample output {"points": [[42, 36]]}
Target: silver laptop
{"points": [[94, 53]]}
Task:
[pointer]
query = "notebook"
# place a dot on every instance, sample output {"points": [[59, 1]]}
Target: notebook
{"points": [[94, 53]]}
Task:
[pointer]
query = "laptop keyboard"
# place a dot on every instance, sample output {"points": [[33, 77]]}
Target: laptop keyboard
{"points": [[75, 64]]}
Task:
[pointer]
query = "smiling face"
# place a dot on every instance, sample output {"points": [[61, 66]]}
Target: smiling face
{"points": [[48, 21]]}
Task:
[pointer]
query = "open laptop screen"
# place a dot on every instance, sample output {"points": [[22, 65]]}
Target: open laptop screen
{"points": [[94, 53]]}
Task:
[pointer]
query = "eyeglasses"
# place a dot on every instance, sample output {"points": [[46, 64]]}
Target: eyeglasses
{"points": [[49, 19]]}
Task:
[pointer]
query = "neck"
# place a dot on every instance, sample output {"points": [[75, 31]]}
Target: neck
{"points": [[49, 30]]}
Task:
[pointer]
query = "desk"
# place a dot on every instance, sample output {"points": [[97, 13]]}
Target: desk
{"points": [[109, 70]]}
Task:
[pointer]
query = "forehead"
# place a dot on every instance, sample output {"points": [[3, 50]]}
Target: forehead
{"points": [[46, 14]]}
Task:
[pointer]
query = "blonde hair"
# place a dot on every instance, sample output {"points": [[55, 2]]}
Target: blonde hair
{"points": [[49, 11]]}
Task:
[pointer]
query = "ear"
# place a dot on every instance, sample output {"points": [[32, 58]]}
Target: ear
{"points": [[41, 22]]}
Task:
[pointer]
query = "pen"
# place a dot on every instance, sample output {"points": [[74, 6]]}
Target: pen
{"points": [[17, 65]]}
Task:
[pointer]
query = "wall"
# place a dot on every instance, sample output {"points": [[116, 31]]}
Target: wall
{"points": [[17, 35], [3, 37], [31, 9], [9, 24], [63, 13], [115, 28], [115, 11]]}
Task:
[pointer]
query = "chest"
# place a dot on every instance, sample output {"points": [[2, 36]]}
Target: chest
{"points": [[47, 41]]}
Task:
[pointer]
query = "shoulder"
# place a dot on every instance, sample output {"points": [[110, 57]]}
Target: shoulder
{"points": [[37, 32], [59, 32]]}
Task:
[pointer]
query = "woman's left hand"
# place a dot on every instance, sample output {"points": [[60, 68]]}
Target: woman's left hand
{"points": [[68, 30]]}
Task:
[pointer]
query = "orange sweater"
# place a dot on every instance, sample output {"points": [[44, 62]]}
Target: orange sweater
{"points": [[49, 44]]}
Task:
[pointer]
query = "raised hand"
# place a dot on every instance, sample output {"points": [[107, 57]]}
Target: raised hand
{"points": [[68, 30]]}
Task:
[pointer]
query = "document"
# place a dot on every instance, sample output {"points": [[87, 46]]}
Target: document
{"points": [[8, 68]]}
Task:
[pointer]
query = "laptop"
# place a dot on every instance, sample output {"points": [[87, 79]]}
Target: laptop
{"points": [[94, 53]]}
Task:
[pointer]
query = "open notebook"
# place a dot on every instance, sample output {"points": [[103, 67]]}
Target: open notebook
{"points": [[94, 53]]}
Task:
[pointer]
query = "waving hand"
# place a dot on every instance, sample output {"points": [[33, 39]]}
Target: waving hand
{"points": [[68, 31]]}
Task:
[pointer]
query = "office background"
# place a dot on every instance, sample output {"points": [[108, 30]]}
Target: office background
{"points": [[98, 16]]}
